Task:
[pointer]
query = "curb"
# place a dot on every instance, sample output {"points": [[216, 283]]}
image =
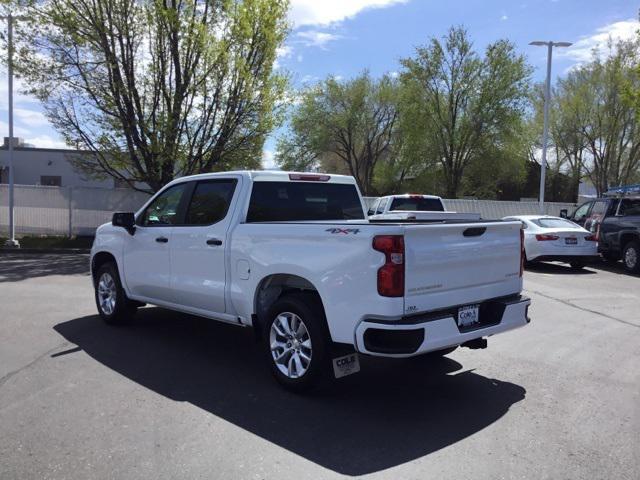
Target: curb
{"points": [[77, 251]]}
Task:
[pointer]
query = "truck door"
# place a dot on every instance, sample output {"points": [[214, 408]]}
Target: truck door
{"points": [[197, 252], [146, 253]]}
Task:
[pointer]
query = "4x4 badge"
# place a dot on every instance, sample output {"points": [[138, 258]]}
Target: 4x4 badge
{"points": [[343, 231]]}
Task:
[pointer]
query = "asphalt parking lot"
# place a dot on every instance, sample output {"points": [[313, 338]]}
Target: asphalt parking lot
{"points": [[174, 396]]}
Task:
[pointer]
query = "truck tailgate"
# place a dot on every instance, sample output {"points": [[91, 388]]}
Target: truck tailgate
{"points": [[459, 264]]}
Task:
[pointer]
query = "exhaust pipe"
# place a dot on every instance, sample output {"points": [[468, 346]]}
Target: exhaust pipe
{"points": [[476, 343]]}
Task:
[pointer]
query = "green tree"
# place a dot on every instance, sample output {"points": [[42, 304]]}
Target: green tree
{"points": [[348, 125], [462, 105], [597, 109], [157, 89]]}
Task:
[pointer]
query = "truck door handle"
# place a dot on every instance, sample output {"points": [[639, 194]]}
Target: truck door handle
{"points": [[162, 239], [214, 241]]}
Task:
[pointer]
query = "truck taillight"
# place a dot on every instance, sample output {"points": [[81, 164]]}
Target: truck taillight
{"points": [[522, 254], [391, 274], [591, 238]]}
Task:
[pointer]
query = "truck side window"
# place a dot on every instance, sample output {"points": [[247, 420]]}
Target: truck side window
{"points": [[164, 209], [581, 212], [374, 207], [599, 208], [210, 202], [382, 205], [630, 206]]}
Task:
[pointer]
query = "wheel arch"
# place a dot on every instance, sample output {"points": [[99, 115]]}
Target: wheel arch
{"points": [[99, 259], [626, 237], [274, 286]]}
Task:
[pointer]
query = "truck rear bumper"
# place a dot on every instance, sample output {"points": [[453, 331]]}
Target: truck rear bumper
{"points": [[418, 334]]}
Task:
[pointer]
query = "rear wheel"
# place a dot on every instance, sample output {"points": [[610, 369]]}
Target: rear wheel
{"points": [[631, 256], [295, 341], [113, 305]]}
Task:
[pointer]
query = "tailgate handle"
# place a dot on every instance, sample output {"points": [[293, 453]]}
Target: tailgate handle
{"points": [[474, 231]]}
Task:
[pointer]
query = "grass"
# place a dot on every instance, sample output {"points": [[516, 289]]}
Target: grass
{"points": [[51, 242]]}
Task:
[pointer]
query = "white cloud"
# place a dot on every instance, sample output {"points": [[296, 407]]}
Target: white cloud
{"points": [[504, 18], [283, 52], [314, 38], [326, 12], [394, 74], [45, 141], [33, 118], [581, 51], [268, 160], [18, 131]]}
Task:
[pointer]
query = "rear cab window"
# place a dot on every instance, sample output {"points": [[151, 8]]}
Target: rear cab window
{"points": [[630, 206], [303, 201], [417, 204]]}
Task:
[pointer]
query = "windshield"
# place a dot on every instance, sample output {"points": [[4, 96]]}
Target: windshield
{"points": [[417, 204], [554, 223]]}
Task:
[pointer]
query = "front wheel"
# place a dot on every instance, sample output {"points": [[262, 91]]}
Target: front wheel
{"points": [[295, 340], [631, 256], [113, 305]]}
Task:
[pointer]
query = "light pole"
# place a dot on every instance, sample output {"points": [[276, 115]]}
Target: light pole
{"points": [[545, 130], [11, 241]]}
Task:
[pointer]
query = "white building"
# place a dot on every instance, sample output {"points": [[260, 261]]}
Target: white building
{"points": [[46, 166]]}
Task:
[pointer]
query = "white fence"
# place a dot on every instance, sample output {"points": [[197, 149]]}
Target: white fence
{"points": [[491, 209], [499, 209], [79, 210], [64, 210]]}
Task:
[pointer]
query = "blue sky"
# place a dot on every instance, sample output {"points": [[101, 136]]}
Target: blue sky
{"points": [[343, 37]]}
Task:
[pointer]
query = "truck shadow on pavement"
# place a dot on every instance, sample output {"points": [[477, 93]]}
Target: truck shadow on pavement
{"points": [[390, 413], [16, 266]]}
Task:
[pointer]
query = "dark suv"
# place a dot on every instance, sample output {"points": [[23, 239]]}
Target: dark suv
{"points": [[616, 221]]}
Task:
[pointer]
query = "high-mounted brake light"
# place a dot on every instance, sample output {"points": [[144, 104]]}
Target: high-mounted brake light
{"points": [[309, 177], [544, 237], [391, 274]]}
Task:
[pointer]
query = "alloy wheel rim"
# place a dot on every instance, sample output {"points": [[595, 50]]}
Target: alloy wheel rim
{"points": [[631, 257], [107, 294], [290, 342]]}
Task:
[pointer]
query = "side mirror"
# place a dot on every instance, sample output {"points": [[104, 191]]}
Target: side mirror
{"points": [[564, 213], [126, 220]]}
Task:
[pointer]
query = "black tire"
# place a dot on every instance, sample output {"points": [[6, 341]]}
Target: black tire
{"points": [[577, 264], [631, 256], [308, 308], [123, 309]]}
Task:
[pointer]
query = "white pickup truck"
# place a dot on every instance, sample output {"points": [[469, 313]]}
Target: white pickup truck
{"points": [[294, 256], [411, 206]]}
